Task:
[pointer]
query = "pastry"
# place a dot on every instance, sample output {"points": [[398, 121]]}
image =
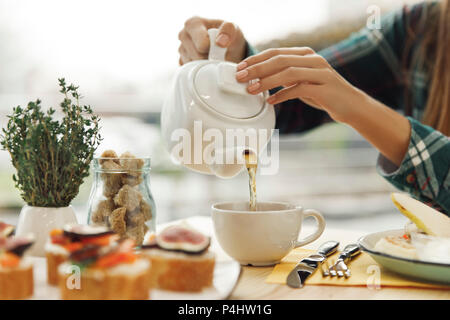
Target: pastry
{"points": [[397, 246], [181, 259], [423, 220], [62, 242], [16, 272], [6, 230], [105, 272]]}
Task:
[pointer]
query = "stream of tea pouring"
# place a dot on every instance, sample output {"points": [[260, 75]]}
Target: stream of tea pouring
{"points": [[251, 163]]}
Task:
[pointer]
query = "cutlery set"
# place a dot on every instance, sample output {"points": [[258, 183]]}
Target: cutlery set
{"points": [[338, 268]]}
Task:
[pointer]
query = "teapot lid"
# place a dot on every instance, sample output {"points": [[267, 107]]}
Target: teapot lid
{"points": [[216, 85]]}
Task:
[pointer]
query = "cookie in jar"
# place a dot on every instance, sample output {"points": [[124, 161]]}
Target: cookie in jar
{"points": [[120, 197]]}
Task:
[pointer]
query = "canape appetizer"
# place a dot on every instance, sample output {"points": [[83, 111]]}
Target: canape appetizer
{"points": [[62, 242], [16, 273], [180, 258], [424, 220], [104, 271], [400, 246], [6, 230]]}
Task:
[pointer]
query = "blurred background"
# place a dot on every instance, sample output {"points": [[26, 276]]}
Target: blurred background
{"points": [[123, 55]]}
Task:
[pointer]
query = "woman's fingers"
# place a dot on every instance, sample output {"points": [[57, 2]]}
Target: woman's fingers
{"points": [[195, 39], [278, 63], [226, 34], [188, 48], [288, 76], [184, 55], [197, 30], [267, 54], [305, 91]]}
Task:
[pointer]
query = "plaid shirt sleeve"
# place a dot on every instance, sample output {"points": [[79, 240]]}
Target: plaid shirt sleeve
{"points": [[425, 169]]}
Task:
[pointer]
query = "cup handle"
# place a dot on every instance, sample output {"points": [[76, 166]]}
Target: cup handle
{"points": [[320, 227]]}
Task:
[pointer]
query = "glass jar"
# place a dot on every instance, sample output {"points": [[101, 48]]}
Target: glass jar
{"points": [[121, 198]]}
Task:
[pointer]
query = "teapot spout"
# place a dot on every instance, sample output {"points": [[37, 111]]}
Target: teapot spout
{"points": [[229, 162]]}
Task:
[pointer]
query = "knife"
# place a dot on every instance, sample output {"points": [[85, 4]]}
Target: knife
{"points": [[307, 266]]}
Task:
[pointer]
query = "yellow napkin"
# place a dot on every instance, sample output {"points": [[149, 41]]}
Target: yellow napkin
{"points": [[365, 272]]}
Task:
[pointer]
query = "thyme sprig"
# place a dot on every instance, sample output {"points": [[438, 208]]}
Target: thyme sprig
{"points": [[51, 157]]}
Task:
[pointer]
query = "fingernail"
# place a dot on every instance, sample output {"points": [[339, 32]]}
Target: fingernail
{"points": [[254, 86], [242, 65], [222, 39], [241, 74], [271, 99]]}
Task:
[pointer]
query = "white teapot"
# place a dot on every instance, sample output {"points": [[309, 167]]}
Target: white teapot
{"points": [[209, 119]]}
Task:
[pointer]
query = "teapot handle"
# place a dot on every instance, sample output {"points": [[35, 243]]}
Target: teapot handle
{"points": [[215, 52]]}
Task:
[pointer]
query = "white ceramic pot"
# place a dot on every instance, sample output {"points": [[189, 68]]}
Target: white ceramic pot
{"points": [[39, 221], [206, 107]]}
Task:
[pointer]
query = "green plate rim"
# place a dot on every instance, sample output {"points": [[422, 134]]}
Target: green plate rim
{"points": [[363, 248]]}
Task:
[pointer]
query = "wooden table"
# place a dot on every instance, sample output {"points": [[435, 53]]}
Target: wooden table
{"points": [[252, 283]]}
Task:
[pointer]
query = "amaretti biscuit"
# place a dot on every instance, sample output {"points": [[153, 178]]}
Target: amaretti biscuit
{"points": [[128, 197], [131, 164], [112, 178], [117, 220], [103, 211], [108, 155], [124, 208]]}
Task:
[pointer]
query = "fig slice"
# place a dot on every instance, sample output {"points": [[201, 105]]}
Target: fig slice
{"points": [[76, 232], [6, 230], [182, 238], [17, 245]]}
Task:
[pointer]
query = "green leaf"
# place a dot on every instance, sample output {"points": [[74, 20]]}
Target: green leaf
{"points": [[51, 156]]}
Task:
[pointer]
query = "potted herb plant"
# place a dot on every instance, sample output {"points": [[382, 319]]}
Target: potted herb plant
{"points": [[52, 153]]}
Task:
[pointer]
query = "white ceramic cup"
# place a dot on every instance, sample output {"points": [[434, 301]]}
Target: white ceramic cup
{"points": [[265, 236]]}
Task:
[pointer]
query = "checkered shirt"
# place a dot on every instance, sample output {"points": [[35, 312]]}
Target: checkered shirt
{"points": [[375, 62]]}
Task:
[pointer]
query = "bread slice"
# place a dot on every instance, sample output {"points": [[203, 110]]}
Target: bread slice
{"points": [[431, 221], [53, 262], [178, 271], [16, 283], [122, 282]]}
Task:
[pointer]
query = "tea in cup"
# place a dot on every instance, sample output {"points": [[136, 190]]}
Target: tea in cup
{"points": [[262, 237]]}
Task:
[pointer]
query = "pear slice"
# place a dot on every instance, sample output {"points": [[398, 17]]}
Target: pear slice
{"points": [[431, 221]]}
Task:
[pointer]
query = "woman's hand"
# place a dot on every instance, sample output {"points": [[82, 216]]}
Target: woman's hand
{"points": [[303, 74], [195, 40], [309, 77]]}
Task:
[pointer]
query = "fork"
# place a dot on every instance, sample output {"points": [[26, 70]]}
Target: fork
{"points": [[325, 267], [340, 268]]}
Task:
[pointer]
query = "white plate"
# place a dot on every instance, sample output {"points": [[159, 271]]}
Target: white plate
{"points": [[226, 275], [430, 271]]}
